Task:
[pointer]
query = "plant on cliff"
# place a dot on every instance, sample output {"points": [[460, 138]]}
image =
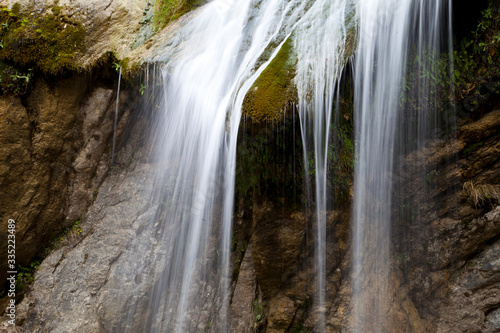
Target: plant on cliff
{"points": [[299, 328], [476, 61], [465, 86]]}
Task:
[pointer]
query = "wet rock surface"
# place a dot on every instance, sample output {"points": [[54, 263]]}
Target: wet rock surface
{"points": [[444, 276]]}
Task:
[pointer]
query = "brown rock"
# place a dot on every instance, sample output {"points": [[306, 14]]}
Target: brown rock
{"points": [[277, 244], [242, 312], [281, 313], [52, 158]]}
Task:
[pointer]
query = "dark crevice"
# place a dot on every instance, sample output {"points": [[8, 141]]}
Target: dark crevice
{"points": [[466, 16]]}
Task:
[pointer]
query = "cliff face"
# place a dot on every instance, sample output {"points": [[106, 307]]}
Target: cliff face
{"points": [[57, 104], [445, 273], [55, 154], [55, 147]]}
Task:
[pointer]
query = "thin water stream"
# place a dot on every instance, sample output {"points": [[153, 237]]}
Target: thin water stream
{"points": [[391, 33]]}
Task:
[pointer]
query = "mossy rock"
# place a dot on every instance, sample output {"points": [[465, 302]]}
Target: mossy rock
{"points": [[274, 89], [167, 11], [49, 42]]}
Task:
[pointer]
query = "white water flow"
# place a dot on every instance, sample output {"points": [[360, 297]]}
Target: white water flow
{"points": [[321, 42], [113, 152], [391, 33], [208, 68]]}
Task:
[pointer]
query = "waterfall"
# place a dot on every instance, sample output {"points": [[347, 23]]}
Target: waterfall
{"points": [[207, 68], [391, 34], [202, 77], [113, 152], [321, 43]]}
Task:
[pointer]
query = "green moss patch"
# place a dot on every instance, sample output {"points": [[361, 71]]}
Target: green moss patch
{"points": [[48, 42], [273, 91], [168, 10]]}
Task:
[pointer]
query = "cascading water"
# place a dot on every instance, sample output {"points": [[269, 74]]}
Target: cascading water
{"points": [[208, 68], [321, 43], [206, 71], [391, 32]]}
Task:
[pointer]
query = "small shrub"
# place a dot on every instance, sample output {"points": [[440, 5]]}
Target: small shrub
{"points": [[479, 195]]}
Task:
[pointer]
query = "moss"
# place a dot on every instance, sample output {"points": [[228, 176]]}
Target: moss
{"points": [[273, 91], [129, 70], [168, 10], [26, 274], [48, 43], [56, 10], [299, 328], [16, 9]]}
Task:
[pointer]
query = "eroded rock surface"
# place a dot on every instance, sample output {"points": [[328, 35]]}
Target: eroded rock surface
{"points": [[54, 154], [87, 285]]}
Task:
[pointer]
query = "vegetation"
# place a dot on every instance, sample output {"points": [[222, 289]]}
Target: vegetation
{"points": [[476, 61], [271, 160], [48, 42], [481, 194], [299, 328], [462, 88], [30, 43], [273, 91], [168, 10], [258, 312]]}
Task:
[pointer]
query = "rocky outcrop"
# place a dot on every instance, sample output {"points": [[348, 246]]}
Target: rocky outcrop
{"points": [[54, 155], [122, 28], [57, 126], [443, 274], [244, 307], [88, 283], [472, 295]]}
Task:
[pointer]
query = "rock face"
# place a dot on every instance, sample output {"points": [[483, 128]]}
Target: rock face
{"points": [[244, 310], [444, 276], [53, 158], [55, 138], [473, 304], [121, 28], [84, 280], [444, 271]]}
